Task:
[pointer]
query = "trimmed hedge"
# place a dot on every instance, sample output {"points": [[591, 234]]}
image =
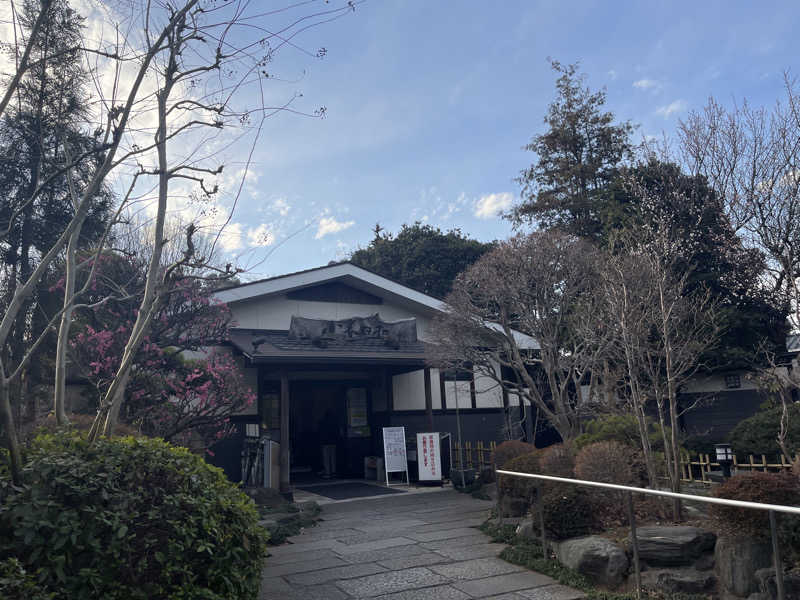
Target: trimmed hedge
{"points": [[758, 434], [129, 519]]}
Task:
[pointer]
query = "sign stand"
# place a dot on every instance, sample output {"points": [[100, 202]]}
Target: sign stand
{"points": [[394, 452], [429, 456]]}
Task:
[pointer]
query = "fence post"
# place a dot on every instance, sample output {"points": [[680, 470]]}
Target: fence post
{"points": [[635, 542], [480, 456], [776, 555], [469, 454]]}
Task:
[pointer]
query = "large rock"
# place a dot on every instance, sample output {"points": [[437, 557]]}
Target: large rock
{"points": [[597, 558], [736, 561], [769, 589], [667, 546], [683, 580]]}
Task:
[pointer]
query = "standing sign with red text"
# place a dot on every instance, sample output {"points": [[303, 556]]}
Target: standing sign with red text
{"points": [[429, 457]]}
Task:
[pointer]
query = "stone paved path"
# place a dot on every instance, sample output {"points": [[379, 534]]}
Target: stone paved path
{"points": [[402, 547]]}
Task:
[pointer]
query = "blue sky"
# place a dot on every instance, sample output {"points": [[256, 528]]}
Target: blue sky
{"points": [[429, 105]]}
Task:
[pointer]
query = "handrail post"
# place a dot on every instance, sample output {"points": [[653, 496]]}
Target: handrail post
{"points": [[776, 555], [540, 511], [635, 543]]}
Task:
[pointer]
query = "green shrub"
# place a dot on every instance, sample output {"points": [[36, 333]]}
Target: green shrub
{"points": [[619, 428], [770, 488], [510, 449], [557, 460], [568, 511], [609, 462], [17, 584], [519, 487], [131, 519], [758, 434]]}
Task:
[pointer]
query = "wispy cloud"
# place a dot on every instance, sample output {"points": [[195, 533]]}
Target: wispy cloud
{"points": [[670, 109], [328, 225], [612, 74], [260, 236], [491, 205], [648, 84], [280, 206]]}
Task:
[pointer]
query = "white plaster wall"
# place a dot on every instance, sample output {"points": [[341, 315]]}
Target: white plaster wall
{"points": [[276, 312], [716, 383], [408, 390], [488, 393], [464, 398]]}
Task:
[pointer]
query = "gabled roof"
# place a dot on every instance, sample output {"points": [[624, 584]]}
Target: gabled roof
{"points": [[354, 276], [345, 272]]}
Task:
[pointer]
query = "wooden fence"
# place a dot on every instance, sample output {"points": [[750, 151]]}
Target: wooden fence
{"points": [[477, 455], [697, 468]]}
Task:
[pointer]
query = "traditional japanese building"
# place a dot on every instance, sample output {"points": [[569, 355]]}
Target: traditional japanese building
{"points": [[336, 354]]}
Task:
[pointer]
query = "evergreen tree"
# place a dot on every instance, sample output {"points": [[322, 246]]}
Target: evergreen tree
{"points": [[577, 158], [39, 134], [420, 256]]}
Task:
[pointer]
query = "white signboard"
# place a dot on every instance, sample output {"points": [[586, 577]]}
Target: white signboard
{"points": [[429, 457], [394, 451]]}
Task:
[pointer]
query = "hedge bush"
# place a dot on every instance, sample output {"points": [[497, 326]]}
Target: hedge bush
{"points": [[129, 519], [18, 584], [568, 512], [518, 487], [557, 460], [510, 449], [619, 428], [609, 462], [770, 488], [757, 434]]}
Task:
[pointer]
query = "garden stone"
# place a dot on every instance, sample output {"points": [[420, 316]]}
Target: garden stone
{"points": [[705, 562], [528, 530], [736, 562], [684, 580], [667, 546], [769, 589], [597, 558]]}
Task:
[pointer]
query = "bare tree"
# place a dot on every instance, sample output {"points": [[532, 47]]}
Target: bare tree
{"points": [[174, 87], [751, 157], [528, 309], [663, 326]]}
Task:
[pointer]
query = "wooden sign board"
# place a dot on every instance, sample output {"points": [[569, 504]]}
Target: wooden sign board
{"points": [[394, 451]]}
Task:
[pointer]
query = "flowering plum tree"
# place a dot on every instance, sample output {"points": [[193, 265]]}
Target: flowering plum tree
{"points": [[177, 389]]}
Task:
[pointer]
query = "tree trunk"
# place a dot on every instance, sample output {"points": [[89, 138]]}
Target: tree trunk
{"points": [[12, 442]]}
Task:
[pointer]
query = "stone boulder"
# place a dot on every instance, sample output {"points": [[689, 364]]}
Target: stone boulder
{"points": [[736, 561], [681, 545], [599, 559], [680, 580], [769, 589]]}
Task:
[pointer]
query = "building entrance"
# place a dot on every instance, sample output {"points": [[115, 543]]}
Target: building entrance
{"points": [[331, 429]]}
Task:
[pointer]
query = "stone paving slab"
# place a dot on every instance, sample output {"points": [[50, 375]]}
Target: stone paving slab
{"points": [[511, 582], [391, 581], [301, 566], [420, 560], [335, 574], [440, 592], [401, 547], [477, 568]]}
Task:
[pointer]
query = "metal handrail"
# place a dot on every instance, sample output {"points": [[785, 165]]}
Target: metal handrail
{"points": [[795, 510], [770, 508]]}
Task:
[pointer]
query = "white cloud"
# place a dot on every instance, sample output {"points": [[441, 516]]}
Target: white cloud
{"points": [[673, 107], [612, 74], [260, 236], [280, 206], [647, 84], [329, 225], [492, 204], [230, 238]]}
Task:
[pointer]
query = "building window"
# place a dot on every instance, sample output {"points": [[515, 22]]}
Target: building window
{"points": [[733, 381]]}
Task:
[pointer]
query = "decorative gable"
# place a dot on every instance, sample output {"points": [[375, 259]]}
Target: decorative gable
{"points": [[334, 291]]}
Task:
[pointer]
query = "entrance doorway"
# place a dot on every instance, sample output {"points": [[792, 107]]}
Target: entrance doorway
{"points": [[335, 414]]}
